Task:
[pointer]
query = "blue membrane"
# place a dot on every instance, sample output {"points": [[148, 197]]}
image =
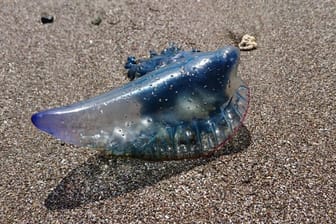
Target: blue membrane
{"points": [[180, 104]]}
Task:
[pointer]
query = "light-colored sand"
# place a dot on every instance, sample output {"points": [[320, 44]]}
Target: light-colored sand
{"points": [[281, 168]]}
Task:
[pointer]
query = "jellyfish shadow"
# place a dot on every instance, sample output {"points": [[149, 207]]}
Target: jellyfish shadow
{"points": [[103, 177]]}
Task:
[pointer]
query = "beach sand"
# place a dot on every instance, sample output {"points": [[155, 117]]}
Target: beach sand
{"points": [[280, 168]]}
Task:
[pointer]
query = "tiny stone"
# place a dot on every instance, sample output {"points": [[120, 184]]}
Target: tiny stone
{"points": [[47, 19], [96, 21], [247, 43]]}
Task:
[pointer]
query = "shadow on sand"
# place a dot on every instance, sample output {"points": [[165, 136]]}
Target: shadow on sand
{"points": [[103, 177]]}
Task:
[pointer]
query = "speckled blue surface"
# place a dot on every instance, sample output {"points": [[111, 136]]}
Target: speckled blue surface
{"points": [[181, 104], [172, 54]]}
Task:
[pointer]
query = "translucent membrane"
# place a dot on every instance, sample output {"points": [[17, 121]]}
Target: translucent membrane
{"points": [[181, 104]]}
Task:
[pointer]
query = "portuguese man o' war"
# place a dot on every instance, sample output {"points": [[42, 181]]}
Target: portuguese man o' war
{"points": [[181, 104]]}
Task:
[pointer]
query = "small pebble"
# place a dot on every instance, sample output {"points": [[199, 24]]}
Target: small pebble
{"points": [[247, 43], [96, 21], [47, 19]]}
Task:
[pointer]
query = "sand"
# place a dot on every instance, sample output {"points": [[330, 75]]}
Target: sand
{"points": [[280, 168]]}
